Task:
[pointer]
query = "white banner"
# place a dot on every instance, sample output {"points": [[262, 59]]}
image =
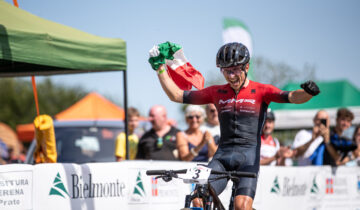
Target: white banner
{"points": [[122, 185], [310, 188], [125, 185], [16, 185]]}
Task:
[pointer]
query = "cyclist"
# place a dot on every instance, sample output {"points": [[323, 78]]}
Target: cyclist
{"points": [[241, 106]]}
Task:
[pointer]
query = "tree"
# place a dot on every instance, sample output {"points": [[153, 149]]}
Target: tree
{"points": [[279, 74], [17, 102]]}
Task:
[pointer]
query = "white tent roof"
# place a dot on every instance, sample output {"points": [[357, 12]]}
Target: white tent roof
{"points": [[296, 119]]}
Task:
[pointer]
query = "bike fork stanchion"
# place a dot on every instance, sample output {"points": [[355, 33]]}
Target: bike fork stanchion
{"points": [[187, 201], [208, 203]]}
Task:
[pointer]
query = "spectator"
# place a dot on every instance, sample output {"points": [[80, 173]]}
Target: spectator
{"points": [[306, 142], [355, 155], [194, 144], [4, 154], [120, 145], [212, 122], [271, 153], [337, 146], [333, 150], [159, 143]]}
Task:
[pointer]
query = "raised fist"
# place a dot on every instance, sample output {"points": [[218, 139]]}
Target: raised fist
{"points": [[310, 87]]}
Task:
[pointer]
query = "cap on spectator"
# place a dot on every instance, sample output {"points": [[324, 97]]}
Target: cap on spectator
{"points": [[270, 116]]}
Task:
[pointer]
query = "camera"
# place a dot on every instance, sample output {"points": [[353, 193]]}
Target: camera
{"points": [[323, 121]]}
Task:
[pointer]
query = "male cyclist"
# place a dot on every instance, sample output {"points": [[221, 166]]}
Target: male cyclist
{"points": [[241, 106]]}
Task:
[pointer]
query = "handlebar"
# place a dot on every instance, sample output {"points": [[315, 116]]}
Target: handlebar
{"points": [[183, 171], [235, 173], [164, 172]]}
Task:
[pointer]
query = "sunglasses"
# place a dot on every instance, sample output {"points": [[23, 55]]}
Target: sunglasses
{"points": [[236, 70], [190, 117]]}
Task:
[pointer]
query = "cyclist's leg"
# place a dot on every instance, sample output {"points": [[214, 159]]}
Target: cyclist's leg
{"points": [[217, 165], [246, 187], [243, 202]]}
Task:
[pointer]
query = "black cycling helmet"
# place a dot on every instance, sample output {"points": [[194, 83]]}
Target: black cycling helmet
{"points": [[232, 54]]}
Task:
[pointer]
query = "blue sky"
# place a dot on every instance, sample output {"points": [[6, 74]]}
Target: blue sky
{"points": [[324, 33]]}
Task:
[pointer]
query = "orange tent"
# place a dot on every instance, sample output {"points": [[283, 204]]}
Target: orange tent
{"points": [[25, 132], [92, 107]]}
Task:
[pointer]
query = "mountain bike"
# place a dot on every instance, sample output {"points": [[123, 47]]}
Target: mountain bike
{"points": [[200, 175]]}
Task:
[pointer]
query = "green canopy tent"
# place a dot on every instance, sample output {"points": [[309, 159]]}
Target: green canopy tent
{"points": [[30, 45], [334, 95]]}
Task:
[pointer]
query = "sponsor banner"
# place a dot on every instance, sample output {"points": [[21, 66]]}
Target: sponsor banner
{"points": [[311, 187], [122, 185], [146, 191], [88, 186], [125, 185], [16, 185]]}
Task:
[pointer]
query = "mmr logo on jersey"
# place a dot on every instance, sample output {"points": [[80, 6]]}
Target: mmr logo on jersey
{"points": [[229, 101]]}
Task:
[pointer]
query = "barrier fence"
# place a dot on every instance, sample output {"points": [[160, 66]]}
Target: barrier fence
{"points": [[125, 185]]}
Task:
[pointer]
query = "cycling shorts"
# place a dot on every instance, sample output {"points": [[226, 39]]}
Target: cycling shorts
{"points": [[236, 158]]}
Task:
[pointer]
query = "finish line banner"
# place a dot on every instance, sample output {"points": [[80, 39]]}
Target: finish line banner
{"points": [[125, 185]]}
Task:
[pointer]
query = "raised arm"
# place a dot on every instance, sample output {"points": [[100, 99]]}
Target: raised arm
{"points": [[171, 89], [309, 89], [157, 62]]}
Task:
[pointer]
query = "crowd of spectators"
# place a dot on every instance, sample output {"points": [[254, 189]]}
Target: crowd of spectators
{"points": [[321, 145], [8, 155]]}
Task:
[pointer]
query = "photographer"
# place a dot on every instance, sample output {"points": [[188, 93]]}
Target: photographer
{"points": [[309, 144], [325, 147]]}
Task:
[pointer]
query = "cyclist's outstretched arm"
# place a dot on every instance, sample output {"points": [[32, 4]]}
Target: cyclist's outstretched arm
{"points": [[309, 89], [171, 89], [299, 96]]}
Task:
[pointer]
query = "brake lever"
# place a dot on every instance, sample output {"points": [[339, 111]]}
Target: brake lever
{"points": [[167, 178]]}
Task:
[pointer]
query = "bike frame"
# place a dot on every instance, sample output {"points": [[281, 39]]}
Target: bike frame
{"points": [[204, 191]]}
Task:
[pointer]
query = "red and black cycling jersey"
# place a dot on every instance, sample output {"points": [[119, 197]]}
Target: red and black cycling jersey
{"points": [[241, 115]]}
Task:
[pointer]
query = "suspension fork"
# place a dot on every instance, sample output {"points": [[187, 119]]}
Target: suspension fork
{"points": [[208, 202], [200, 193]]}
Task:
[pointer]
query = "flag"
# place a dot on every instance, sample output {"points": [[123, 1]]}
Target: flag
{"points": [[237, 31], [178, 67]]}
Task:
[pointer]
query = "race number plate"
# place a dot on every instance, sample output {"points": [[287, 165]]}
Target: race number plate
{"points": [[198, 174]]}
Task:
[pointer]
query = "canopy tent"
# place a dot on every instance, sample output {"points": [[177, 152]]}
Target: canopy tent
{"points": [[30, 45], [334, 95], [92, 107]]}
